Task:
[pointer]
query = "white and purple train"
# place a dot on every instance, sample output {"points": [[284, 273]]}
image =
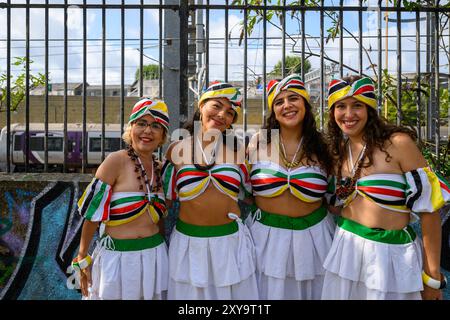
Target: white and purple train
{"points": [[55, 144]]}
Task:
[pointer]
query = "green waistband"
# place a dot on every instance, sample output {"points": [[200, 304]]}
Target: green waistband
{"points": [[207, 231], [385, 236], [297, 223], [137, 244]]}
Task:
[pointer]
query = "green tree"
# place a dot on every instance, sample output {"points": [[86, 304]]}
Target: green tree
{"points": [[151, 72], [293, 64], [410, 90], [18, 85]]}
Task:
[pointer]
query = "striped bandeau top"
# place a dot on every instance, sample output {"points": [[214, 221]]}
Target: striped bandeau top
{"points": [[189, 182], [269, 179], [420, 190], [128, 206], [99, 204]]}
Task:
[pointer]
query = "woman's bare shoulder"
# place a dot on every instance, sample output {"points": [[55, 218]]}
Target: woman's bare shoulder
{"points": [[111, 167]]}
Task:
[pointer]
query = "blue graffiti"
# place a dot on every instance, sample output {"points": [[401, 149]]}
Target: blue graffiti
{"points": [[17, 204], [46, 279]]}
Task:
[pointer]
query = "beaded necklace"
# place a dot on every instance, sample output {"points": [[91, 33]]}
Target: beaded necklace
{"points": [[139, 168], [346, 186]]}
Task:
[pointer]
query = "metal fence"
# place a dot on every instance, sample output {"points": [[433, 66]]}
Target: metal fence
{"points": [[185, 37]]}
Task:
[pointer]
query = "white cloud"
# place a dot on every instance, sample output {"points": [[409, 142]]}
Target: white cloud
{"points": [[217, 25]]}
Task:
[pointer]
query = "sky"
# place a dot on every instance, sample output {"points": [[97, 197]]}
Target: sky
{"points": [[217, 27]]}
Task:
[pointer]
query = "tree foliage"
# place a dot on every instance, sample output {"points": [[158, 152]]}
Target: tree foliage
{"points": [[293, 64], [410, 93], [18, 84], [410, 89], [151, 72]]}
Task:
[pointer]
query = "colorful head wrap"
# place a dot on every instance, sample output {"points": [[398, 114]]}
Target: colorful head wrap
{"points": [[223, 90], [157, 109], [362, 90], [292, 83]]}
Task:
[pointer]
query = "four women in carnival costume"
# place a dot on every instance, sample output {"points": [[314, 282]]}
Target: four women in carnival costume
{"points": [[380, 178], [290, 247], [291, 227], [126, 197]]}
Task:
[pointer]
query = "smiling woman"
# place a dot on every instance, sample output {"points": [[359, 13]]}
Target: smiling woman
{"points": [[211, 253], [130, 260], [290, 225], [380, 178]]}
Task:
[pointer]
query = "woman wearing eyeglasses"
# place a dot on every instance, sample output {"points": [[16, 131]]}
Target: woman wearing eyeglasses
{"points": [[381, 177], [130, 260], [211, 254]]}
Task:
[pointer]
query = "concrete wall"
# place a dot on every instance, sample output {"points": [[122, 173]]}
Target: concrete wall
{"points": [[93, 110], [74, 109], [40, 232]]}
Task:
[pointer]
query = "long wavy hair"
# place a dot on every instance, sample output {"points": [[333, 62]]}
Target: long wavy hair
{"points": [[376, 132], [313, 140]]}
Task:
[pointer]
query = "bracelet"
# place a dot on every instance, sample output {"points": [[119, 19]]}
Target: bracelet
{"points": [[79, 265], [433, 283]]}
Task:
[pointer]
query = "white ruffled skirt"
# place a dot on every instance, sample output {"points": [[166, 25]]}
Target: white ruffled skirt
{"points": [[362, 269], [129, 275], [290, 262], [212, 267]]}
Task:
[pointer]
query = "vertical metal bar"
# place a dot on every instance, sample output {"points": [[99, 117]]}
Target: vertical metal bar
{"points": [[437, 86], [27, 86], [360, 49], [8, 87], [65, 146], [46, 89], [226, 42], [245, 68], [380, 75], [302, 13], [386, 50], [84, 111], [141, 49], [322, 62], [429, 47], [341, 39], [184, 19], [160, 51], [122, 71], [283, 40], [399, 64], [200, 48], [160, 64], [207, 44], [418, 106], [103, 102], [264, 69]]}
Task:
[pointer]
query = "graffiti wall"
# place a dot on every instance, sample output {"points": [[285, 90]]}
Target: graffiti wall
{"points": [[39, 235], [40, 232]]}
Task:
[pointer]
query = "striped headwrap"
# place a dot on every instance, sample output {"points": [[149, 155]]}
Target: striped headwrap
{"points": [[362, 90], [156, 108], [292, 83], [223, 90]]}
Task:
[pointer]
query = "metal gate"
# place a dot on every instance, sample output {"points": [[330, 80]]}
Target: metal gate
{"points": [[194, 42]]}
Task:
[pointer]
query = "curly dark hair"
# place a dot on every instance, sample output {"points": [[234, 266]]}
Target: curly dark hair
{"points": [[313, 140], [376, 132]]}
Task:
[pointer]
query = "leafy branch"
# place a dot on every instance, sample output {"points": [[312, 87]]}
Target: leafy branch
{"points": [[18, 85]]}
